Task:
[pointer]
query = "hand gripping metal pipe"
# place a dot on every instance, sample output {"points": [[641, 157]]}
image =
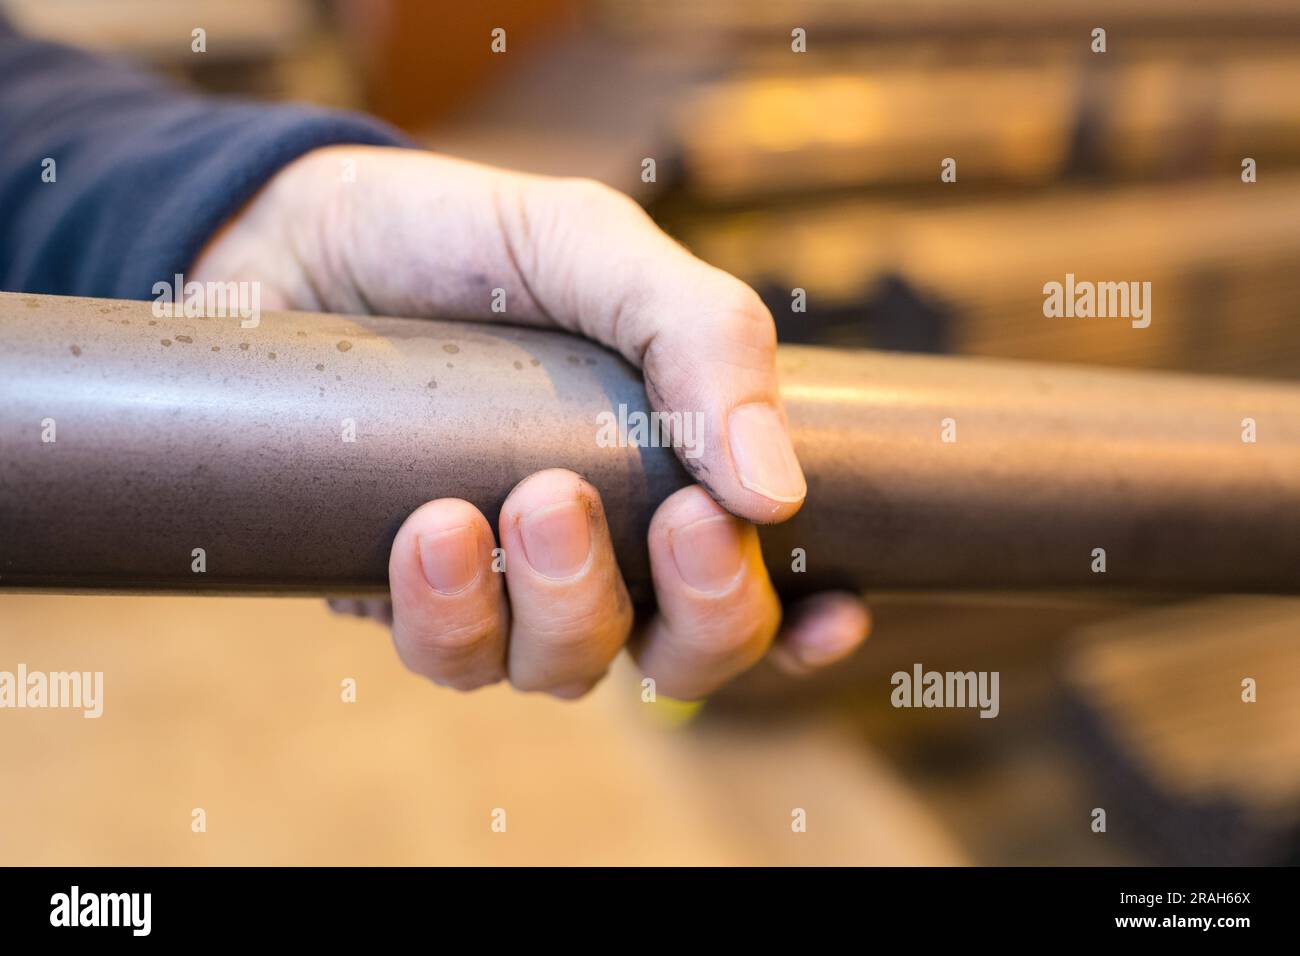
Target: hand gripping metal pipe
{"points": [[128, 442]]}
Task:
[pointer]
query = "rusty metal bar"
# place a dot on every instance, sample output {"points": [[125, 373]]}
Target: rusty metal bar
{"points": [[174, 434]]}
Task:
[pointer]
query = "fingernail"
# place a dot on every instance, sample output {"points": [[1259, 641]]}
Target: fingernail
{"points": [[449, 559], [831, 640], [557, 539], [828, 646], [709, 552], [764, 457]]}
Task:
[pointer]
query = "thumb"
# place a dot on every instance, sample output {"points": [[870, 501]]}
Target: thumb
{"points": [[421, 234], [597, 264]]}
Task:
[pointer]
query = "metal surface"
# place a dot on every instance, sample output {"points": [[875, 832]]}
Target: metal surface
{"points": [[177, 434]]}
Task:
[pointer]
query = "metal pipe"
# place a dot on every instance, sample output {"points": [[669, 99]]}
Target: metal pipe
{"points": [[174, 434]]}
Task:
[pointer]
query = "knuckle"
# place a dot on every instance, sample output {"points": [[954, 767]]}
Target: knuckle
{"points": [[592, 197], [455, 640], [597, 624], [741, 316], [737, 637], [744, 302]]}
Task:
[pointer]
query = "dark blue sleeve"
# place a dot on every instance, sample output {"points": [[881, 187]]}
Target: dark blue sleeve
{"points": [[143, 173]]}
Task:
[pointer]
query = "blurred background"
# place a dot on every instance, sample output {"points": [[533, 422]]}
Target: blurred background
{"points": [[820, 171]]}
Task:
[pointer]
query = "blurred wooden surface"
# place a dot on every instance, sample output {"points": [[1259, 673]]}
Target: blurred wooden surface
{"points": [[234, 705]]}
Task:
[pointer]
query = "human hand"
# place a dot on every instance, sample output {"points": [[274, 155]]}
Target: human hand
{"points": [[416, 234]]}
